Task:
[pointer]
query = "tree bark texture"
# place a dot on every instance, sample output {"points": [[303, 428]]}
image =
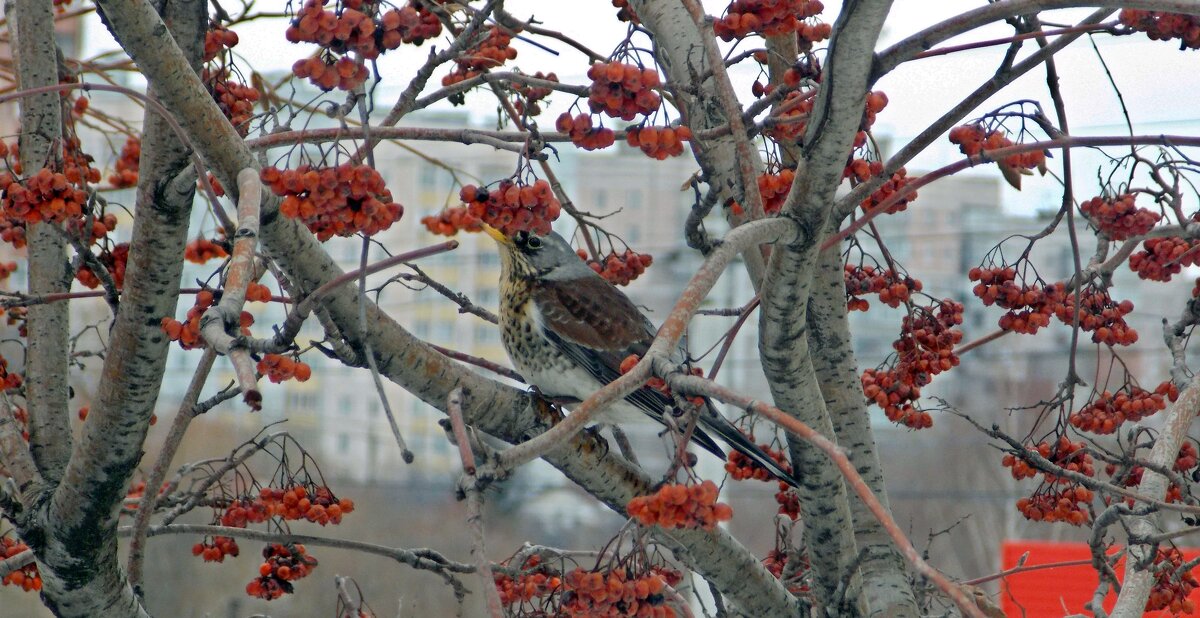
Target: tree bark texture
{"points": [[48, 324], [74, 531]]}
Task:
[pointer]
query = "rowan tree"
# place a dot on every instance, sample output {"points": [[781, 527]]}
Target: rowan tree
{"points": [[790, 163]]}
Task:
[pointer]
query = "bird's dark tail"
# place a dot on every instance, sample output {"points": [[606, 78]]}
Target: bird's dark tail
{"points": [[712, 420]]}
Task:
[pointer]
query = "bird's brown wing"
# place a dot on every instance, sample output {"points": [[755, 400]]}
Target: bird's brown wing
{"points": [[599, 327], [592, 313]]}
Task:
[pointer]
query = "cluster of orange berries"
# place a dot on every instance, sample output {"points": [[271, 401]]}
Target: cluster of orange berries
{"points": [[1030, 307], [12, 232], [114, 259], [126, 173], [328, 72], [788, 500], [893, 290], [616, 592], [586, 594], [278, 368], [1100, 315], [187, 333], [26, 578], [342, 201], [1047, 503], [741, 467], [202, 250], [1132, 477], [354, 28], [258, 293], [293, 503], [1064, 505], [774, 189], [1163, 26], [1118, 218], [351, 27], [534, 581], [284, 564], [529, 97], [681, 506], [512, 207], [1171, 589], [344, 30], [770, 18], [582, 133], [1162, 258], [7, 269], [449, 221], [792, 118], [216, 548], [1062, 452], [492, 52], [889, 389], [101, 226], [217, 39], [861, 169], [235, 99], [927, 339], [658, 143], [1106, 412], [46, 196], [973, 139], [619, 269], [925, 348], [622, 90], [892, 185]]}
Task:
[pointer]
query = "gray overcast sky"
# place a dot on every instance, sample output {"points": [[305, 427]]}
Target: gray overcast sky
{"points": [[1158, 81]]}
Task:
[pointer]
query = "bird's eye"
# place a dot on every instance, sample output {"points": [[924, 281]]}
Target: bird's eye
{"points": [[534, 243]]}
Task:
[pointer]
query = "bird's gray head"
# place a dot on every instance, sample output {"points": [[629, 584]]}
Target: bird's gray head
{"points": [[545, 257]]}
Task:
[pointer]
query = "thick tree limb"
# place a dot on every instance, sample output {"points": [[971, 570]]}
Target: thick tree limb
{"points": [[41, 145], [886, 588], [76, 540], [783, 322]]}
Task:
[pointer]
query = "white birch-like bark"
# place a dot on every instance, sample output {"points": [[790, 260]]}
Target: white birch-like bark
{"points": [[48, 324]]}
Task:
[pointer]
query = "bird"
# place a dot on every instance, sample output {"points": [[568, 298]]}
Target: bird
{"points": [[567, 330]]}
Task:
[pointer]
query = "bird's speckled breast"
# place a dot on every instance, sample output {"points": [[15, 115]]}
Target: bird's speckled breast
{"points": [[531, 353]]}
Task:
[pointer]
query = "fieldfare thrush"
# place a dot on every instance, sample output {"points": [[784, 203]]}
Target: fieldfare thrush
{"points": [[567, 329]]}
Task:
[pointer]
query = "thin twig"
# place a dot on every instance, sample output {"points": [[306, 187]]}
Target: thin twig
{"points": [[158, 474]]}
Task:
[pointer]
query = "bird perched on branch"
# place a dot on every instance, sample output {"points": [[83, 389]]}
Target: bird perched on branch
{"points": [[567, 330]]}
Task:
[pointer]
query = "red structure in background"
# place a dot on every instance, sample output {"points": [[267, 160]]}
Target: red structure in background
{"points": [[1058, 591]]}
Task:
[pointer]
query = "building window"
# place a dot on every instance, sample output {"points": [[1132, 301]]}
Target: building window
{"points": [[343, 443]]}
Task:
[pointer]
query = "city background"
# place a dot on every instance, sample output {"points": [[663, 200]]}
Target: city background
{"points": [[337, 415]]}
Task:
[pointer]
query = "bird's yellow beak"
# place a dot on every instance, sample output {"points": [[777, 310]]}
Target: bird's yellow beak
{"points": [[497, 235]]}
